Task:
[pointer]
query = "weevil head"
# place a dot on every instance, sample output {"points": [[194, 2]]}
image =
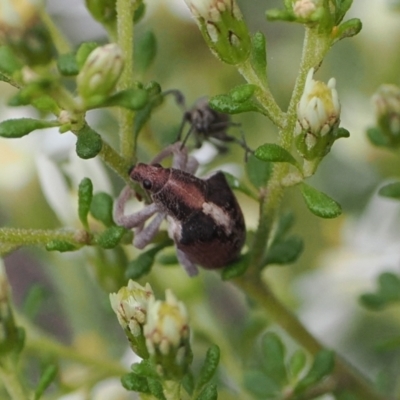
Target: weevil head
{"points": [[151, 177]]}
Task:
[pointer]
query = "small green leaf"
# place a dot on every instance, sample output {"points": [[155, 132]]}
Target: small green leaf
{"points": [[67, 64], [258, 56], [242, 93], [111, 237], [89, 143], [377, 138], [145, 51], [392, 190], [139, 12], [16, 128], [85, 195], [145, 368], [226, 104], [102, 208], [273, 351], [132, 99], [235, 184], [319, 203], [285, 223], [235, 269], [347, 29], [47, 377], [285, 251], [260, 385], [388, 292], [34, 300], [8, 62], [323, 364], [209, 367], [297, 362], [135, 383], [258, 171], [210, 392], [280, 15], [61, 246], [188, 383], [156, 389], [83, 52], [274, 153], [143, 263]]}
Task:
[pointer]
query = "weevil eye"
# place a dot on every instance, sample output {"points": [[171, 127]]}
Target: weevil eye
{"points": [[147, 184], [157, 165]]}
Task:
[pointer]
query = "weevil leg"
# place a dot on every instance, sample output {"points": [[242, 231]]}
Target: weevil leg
{"points": [[190, 268], [135, 219], [144, 235]]}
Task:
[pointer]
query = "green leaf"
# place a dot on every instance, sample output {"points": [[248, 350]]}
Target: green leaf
{"points": [[61, 246], [285, 223], [319, 203], [34, 300], [111, 237], [83, 52], [47, 377], [297, 363], [392, 190], [143, 263], [258, 171], [89, 143], [135, 383], [235, 269], [188, 383], [210, 392], [242, 93], [139, 13], [132, 99], [85, 196], [274, 153], [388, 292], [67, 64], [226, 104], [209, 367], [235, 184], [260, 385], [377, 138], [156, 388], [273, 352], [101, 208], [8, 62], [146, 369], [347, 29], [145, 51], [258, 56], [16, 128], [285, 251], [323, 364]]}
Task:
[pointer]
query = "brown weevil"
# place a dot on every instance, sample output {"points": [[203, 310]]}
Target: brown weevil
{"points": [[204, 218]]}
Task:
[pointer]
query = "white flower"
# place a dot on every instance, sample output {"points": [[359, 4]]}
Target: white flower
{"points": [[167, 326], [369, 247], [319, 108], [304, 8], [130, 304]]}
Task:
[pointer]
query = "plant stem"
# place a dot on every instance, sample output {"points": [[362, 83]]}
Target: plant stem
{"points": [[60, 42], [263, 95], [26, 237], [13, 386], [125, 11], [345, 376]]}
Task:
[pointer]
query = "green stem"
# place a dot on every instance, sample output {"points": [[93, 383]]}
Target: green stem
{"points": [[345, 376], [125, 32], [60, 42], [26, 237], [264, 95], [12, 384]]}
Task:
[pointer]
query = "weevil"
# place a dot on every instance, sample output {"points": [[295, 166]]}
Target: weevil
{"points": [[206, 123], [204, 218]]}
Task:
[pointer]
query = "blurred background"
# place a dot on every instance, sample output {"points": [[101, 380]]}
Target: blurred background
{"points": [[342, 257]]}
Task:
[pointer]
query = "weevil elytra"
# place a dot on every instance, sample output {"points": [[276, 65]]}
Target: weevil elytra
{"points": [[204, 218]]}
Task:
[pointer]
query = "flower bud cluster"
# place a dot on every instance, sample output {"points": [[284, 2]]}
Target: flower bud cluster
{"points": [[100, 73], [387, 110], [161, 326], [318, 118], [223, 28]]}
